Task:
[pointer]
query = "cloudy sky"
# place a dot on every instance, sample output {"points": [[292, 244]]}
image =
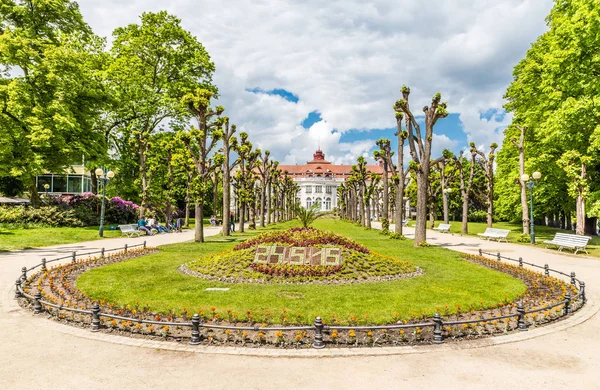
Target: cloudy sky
{"points": [[296, 74]]}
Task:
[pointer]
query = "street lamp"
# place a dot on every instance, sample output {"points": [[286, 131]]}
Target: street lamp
{"points": [[447, 191], [530, 183], [46, 186], [104, 176]]}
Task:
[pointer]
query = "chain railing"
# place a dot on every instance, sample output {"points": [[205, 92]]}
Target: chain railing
{"points": [[318, 327]]}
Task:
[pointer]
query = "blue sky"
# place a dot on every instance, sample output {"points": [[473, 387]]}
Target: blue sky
{"points": [[293, 74]]}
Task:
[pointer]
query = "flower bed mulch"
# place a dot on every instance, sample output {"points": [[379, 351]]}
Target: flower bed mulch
{"points": [[57, 285]]}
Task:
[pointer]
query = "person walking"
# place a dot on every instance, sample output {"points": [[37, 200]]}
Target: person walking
{"points": [[231, 223]]}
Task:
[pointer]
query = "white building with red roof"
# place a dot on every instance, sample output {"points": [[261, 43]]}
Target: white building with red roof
{"points": [[319, 179]]}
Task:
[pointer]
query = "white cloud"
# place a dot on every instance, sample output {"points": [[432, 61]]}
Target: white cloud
{"points": [[348, 60]]}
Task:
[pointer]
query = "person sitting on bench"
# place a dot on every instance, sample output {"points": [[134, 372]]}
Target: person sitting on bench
{"points": [[142, 226]]}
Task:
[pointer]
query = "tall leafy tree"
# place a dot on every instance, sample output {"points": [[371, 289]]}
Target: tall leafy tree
{"points": [[155, 64], [51, 89], [555, 93]]}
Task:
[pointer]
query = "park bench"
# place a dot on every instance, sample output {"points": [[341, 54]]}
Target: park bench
{"points": [[496, 234], [572, 241], [129, 230], [443, 228]]}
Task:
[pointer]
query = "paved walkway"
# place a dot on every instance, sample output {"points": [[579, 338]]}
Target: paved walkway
{"points": [[39, 354]]}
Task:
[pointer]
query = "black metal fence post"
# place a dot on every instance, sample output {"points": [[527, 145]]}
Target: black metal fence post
{"points": [[144, 244], [18, 289], [438, 337], [37, 305], [318, 343], [96, 317], [546, 270], [23, 275], [195, 340], [74, 257], [480, 252], [521, 324], [499, 258], [582, 289], [521, 262], [125, 248], [44, 269], [102, 253], [573, 278], [568, 303]]}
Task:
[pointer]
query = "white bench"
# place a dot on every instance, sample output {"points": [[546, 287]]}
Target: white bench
{"points": [[443, 228], [573, 241], [129, 230], [496, 234]]}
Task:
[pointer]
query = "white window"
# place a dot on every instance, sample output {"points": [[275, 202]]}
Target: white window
{"points": [[308, 203], [308, 189], [318, 201], [328, 204], [319, 189], [328, 189]]}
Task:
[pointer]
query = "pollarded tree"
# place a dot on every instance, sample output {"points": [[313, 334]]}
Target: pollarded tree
{"points": [[272, 172], [361, 175], [201, 143], [420, 151], [245, 177], [229, 144], [263, 173], [382, 155], [465, 184], [486, 162]]}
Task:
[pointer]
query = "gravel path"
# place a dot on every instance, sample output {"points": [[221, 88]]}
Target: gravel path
{"points": [[36, 353]]}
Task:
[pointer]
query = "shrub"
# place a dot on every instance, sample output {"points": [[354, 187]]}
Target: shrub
{"points": [[478, 216], [19, 216]]}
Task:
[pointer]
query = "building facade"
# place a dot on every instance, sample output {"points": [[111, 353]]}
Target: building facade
{"points": [[78, 180], [319, 179]]}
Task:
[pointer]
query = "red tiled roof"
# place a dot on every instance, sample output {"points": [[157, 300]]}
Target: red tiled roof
{"points": [[322, 167]]}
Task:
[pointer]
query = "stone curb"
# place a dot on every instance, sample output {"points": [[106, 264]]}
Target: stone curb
{"points": [[8, 303]]}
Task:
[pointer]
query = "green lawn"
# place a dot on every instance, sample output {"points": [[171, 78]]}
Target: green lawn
{"points": [[13, 239], [448, 280], [541, 233]]}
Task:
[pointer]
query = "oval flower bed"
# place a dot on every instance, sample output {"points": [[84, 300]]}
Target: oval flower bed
{"points": [[57, 286], [359, 265]]}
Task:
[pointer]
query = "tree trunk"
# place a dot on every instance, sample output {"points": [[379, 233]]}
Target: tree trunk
{"points": [[199, 223], [465, 215], [368, 207], [269, 202], [242, 216], [490, 195], [385, 207], [422, 185], [399, 207], [262, 203], [580, 228], [226, 197], [569, 221], [34, 195], [94, 181]]}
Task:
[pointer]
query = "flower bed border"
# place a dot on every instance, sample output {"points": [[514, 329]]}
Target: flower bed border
{"points": [[436, 325]]}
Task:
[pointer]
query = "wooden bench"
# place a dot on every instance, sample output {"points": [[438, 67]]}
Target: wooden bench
{"points": [[496, 234], [443, 228], [572, 241], [129, 230]]}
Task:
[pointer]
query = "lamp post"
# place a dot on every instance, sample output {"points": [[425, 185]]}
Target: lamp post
{"points": [[46, 186], [104, 176], [530, 183], [447, 191]]}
